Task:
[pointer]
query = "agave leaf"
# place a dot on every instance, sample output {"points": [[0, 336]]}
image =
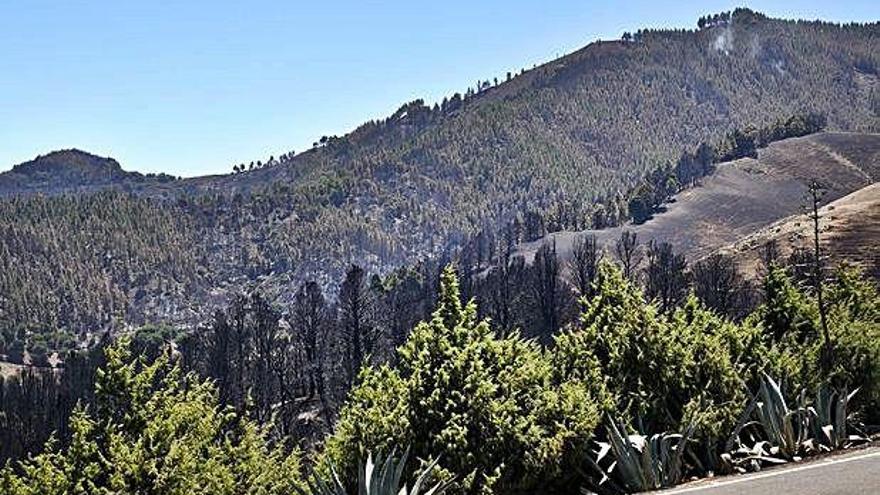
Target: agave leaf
{"points": [[438, 488], [640, 462], [742, 423], [382, 477], [396, 473], [604, 448]]}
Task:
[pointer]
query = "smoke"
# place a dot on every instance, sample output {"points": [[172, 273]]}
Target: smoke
{"points": [[724, 41], [779, 65]]}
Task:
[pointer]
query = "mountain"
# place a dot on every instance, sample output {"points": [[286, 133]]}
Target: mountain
{"points": [[87, 246]]}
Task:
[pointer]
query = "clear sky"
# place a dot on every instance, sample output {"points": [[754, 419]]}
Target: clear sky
{"points": [[193, 87]]}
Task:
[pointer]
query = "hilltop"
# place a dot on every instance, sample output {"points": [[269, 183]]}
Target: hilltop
{"points": [[71, 171]]}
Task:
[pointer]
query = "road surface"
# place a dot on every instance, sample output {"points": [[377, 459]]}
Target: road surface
{"points": [[852, 473]]}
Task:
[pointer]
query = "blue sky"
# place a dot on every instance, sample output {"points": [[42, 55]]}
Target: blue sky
{"points": [[193, 87]]}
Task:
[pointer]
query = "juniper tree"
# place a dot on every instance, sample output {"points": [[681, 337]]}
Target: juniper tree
{"points": [[492, 409], [157, 430]]}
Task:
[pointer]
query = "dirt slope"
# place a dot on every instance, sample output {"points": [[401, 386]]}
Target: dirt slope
{"points": [[850, 231], [746, 196]]}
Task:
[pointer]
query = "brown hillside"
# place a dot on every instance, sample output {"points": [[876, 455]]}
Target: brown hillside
{"points": [[745, 196], [850, 229]]}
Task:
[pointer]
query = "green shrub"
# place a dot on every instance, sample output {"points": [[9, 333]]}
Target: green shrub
{"points": [[491, 409], [854, 318], [374, 419], [155, 431], [790, 321], [660, 372], [617, 333], [857, 365]]}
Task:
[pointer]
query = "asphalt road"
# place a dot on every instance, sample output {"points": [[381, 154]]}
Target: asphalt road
{"points": [[853, 473]]}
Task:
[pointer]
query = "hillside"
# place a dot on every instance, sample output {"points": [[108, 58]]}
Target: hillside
{"points": [[850, 232], [553, 148], [750, 201]]}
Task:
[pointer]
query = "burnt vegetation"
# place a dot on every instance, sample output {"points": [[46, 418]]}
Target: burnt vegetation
{"points": [[560, 146]]}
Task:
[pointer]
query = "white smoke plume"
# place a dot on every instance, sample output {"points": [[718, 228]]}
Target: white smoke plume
{"points": [[724, 41]]}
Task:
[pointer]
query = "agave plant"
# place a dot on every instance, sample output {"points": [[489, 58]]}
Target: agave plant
{"points": [[777, 436], [637, 462], [831, 419], [384, 477], [782, 433], [787, 429]]}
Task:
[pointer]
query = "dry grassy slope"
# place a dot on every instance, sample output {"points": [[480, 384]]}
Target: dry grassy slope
{"points": [[850, 229], [745, 196]]}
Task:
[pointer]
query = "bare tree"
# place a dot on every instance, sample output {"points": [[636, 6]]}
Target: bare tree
{"points": [[720, 286], [502, 287], [356, 321], [270, 349], [549, 294], [219, 353], [666, 278], [308, 317], [584, 263], [815, 192], [246, 351], [629, 253]]}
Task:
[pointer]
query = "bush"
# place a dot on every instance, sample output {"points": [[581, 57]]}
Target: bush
{"points": [[789, 320], [617, 331], [791, 325], [855, 331], [156, 431], [491, 409], [662, 373]]}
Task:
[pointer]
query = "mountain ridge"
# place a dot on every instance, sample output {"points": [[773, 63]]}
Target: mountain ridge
{"points": [[559, 147], [721, 38]]}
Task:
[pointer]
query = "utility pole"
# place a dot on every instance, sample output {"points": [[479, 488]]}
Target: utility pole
{"points": [[815, 193]]}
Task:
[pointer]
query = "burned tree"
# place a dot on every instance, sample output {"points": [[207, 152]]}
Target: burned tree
{"points": [[628, 253], [356, 321], [584, 263], [550, 296], [666, 278], [502, 289], [308, 316], [720, 286]]}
